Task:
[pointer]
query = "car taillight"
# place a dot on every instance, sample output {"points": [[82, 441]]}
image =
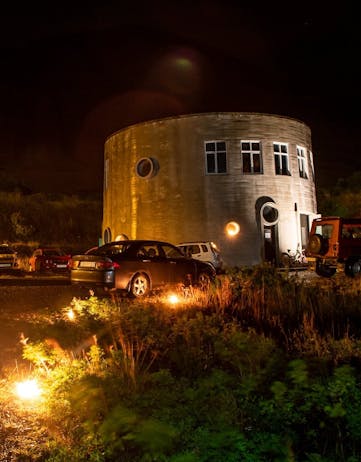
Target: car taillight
{"points": [[104, 265], [73, 264]]}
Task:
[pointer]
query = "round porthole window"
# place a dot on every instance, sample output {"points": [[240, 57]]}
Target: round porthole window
{"points": [[146, 167], [269, 213]]}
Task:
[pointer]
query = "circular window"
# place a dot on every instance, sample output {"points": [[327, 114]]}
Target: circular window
{"points": [[146, 167], [232, 228], [269, 213]]}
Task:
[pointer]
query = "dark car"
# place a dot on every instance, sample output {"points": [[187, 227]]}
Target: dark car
{"points": [[49, 259], [8, 257], [138, 266]]}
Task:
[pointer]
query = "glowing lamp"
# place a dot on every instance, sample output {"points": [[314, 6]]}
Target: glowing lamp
{"points": [[173, 299], [28, 389], [232, 228], [71, 314]]}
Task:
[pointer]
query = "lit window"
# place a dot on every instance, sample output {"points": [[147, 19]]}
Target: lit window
{"points": [[251, 157], [216, 157], [301, 159], [281, 158]]}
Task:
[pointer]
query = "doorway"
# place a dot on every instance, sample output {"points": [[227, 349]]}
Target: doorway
{"points": [[267, 217]]}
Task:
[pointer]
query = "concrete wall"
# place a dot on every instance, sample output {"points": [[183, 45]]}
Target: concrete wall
{"points": [[180, 202]]}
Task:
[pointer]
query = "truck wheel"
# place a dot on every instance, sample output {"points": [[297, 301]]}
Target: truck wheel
{"points": [[324, 270], [352, 267]]}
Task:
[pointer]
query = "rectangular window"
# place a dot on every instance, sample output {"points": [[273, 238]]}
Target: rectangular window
{"points": [[301, 159], [106, 173], [251, 157], [311, 164], [216, 157], [281, 158]]}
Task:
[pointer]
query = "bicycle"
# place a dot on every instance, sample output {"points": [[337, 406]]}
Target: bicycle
{"points": [[292, 259]]}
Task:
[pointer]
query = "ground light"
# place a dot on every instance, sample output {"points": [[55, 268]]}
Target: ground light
{"points": [[71, 315], [173, 299], [28, 389]]}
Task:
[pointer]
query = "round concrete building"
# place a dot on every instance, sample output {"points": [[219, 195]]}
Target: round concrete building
{"points": [[242, 180]]}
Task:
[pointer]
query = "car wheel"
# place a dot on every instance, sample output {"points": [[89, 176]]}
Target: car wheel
{"points": [[204, 281], [139, 286], [325, 271]]}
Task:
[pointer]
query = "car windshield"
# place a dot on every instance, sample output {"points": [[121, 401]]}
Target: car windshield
{"points": [[6, 250], [52, 252]]}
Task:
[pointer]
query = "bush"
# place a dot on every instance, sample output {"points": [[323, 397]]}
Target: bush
{"points": [[267, 373]]}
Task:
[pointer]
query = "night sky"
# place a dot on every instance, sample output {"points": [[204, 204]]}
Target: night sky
{"points": [[73, 74]]}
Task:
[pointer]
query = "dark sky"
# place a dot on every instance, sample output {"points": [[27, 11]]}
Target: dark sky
{"points": [[73, 74]]}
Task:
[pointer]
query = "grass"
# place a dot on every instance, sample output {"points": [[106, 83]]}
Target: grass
{"points": [[263, 367]]}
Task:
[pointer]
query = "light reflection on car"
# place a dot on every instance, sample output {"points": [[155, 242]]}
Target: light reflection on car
{"points": [[138, 267]]}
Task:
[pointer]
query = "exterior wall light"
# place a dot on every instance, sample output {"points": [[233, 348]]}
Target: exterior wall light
{"points": [[232, 228]]}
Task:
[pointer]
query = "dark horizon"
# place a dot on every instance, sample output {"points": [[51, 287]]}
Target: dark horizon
{"points": [[72, 77]]}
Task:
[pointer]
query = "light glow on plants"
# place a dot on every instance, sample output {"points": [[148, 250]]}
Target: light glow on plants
{"points": [[28, 389], [71, 314], [173, 299]]}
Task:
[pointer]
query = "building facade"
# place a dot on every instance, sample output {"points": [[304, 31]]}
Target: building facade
{"points": [[243, 180]]}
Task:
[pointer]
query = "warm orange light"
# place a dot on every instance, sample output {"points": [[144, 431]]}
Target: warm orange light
{"points": [[28, 389], [173, 299], [232, 228], [71, 314]]}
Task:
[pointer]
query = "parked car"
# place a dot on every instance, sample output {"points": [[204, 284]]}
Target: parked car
{"points": [[335, 243], [8, 257], [204, 250], [49, 259], [137, 267]]}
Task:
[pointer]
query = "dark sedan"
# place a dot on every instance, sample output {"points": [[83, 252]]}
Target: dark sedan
{"points": [[138, 266]]}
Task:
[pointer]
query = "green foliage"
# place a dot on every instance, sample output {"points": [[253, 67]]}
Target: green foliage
{"points": [[267, 376], [67, 221], [344, 199]]}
